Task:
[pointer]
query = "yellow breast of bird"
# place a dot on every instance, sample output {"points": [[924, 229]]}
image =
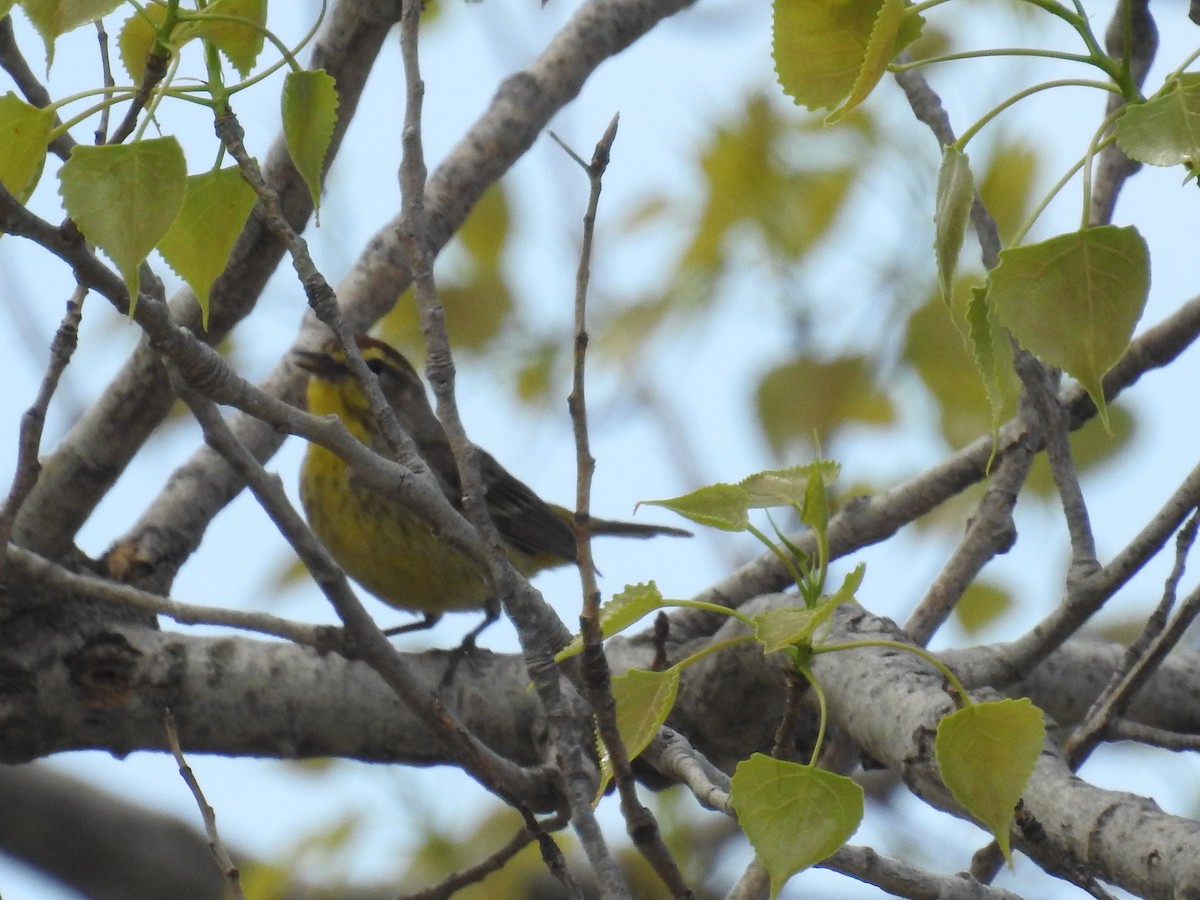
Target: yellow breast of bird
{"points": [[383, 545]]}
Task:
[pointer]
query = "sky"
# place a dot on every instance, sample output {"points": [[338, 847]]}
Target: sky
{"points": [[691, 72]]}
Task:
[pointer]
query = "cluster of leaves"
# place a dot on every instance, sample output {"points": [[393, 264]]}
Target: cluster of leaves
{"points": [[796, 814], [1072, 300], [132, 198]]}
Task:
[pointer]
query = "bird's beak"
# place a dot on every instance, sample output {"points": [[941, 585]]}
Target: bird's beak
{"points": [[316, 363]]}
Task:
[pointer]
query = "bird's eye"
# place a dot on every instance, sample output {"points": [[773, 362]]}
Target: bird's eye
{"points": [[378, 366]]}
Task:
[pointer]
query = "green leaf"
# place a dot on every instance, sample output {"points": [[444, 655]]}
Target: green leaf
{"points": [[124, 198], [819, 46], [984, 334], [625, 608], [51, 18], [198, 244], [938, 348], [1073, 301], [24, 134], [805, 397], [955, 191], [644, 700], [982, 604], [777, 629], [137, 38], [754, 186], [894, 30], [794, 815], [815, 512], [721, 506], [986, 753], [1164, 131], [309, 114], [783, 487], [236, 27]]}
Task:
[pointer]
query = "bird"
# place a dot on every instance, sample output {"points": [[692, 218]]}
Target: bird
{"points": [[387, 546]]}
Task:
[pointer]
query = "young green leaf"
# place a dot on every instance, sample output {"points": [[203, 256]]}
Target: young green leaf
{"points": [[983, 332], [777, 629], [309, 114], [644, 700], [986, 753], [51, 18], [137, 38], [805, 396], [817, 48], [1074, 300], [236, 27], [1165, 130], [955, 191], [198, 244], [625, 608], [124, 198], [794, 815], [894, 29], [721, 506], [24, 134], [828, 50], [783, 487]]}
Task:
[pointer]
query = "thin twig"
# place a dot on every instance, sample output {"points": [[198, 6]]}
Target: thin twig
{"points": [[1143, 656], [321, 296], [1039, 383], [29, 441], [107, 77], [220, 855], [990, 531], [597, 676], [1131, 36], [155, 71], [1006, 663], [37, 569], [455, 882], [540, 632], [1124, 730]]}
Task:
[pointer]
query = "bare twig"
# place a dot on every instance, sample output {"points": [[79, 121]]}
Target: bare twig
{"points": [[106, 72], [1005, 663], [673, 755], [540, 632], [42, 571], [991, 531], [34, 420], [1143, 655], [220, 855], [1131, 38], [455, 882], [1039, 383], [901, 878], [1124, 730], [597, 676]]}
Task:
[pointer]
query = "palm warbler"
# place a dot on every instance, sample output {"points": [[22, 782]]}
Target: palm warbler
{"points": [[385, 545]]}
